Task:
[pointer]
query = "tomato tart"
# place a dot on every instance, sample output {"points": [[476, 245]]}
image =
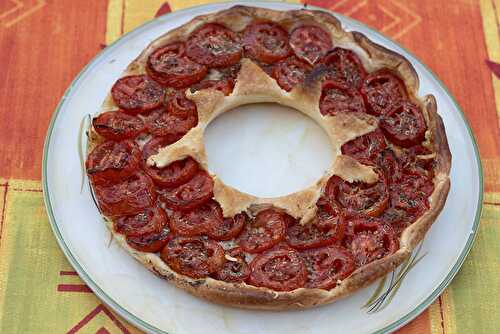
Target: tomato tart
{"points": [[148, 170]]}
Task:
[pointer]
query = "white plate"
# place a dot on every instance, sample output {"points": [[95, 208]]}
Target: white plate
{"points": [[156, 306]]}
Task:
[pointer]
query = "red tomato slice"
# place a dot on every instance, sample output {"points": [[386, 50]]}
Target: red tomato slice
{"points": [[150, 243], [382, 90], [151, 220], [290, 72], [266, 42], [169, 66], [131, 196], [327, 266], [265, 231], [193, 257], [369, 240], [191, 194], [214, 45], [116, 125], [227, 228], [310, 43], [235, 269], [404, 125], [137, 94], [359, 197], [111, 162], [367, 148], [280, 270], [320, 232], [345, 67], [180, 117], [337, 98], [197, 221]]}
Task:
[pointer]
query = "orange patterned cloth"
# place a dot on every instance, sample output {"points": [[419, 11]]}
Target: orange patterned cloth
{"points": [[45, 43]]}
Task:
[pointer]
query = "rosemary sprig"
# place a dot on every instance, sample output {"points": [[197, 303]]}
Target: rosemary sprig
{"points": [[378, 301]]}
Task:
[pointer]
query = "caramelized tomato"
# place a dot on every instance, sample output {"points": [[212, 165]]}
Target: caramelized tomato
{"points": [[382, 90], [370, 240], [151, 220], [359, 197], [404, 125], [181, 115], [111, 161], [312, 234], [169, 66], [280, 270], [266, 42], [197, 221], [366, 148], [194, 257], [310, 43], [265, 231], [191, 194], [344, 66], [337, 98], [214, 45], [116, 125], [235, 269], [128, 197], [150, 243], [327, 266], [227, 228], [137, 94], [290, 72]]}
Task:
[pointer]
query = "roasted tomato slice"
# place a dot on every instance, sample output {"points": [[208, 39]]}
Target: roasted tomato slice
{"points": [[310, 43], [150, 243], [225, 86], [197, 221], [221, 79], [137, 94], [280, 270], [111, 161], [404, 125], [235, 269], [191, 194], [172, 175], [344, 66], [151, 220], [382, 90], [265, 231], [327, 266], [227, 228], [325, 230], [290, 72], [337, 98], [266, 42], [410, 193], [131, 196], [116, 125], [398, 219], [214, 45], [370, 240], [389, 164], [169, 66], [181, 115], [366, 148], [359, 197], [194, 257]]}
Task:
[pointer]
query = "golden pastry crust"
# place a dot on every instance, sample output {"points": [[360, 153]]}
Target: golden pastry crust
{"points": [[254, 85]]}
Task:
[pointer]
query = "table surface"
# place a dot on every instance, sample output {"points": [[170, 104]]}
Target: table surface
{"points": [[45, 43]]}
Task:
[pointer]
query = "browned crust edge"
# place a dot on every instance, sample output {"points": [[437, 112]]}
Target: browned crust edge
{"points": [[251, 297]]}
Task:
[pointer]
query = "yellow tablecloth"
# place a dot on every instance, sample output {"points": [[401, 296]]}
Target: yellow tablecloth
{"points": [[44, 44]]}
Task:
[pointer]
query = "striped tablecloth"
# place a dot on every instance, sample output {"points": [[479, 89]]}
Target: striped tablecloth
{"points": [[45, 43]]}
